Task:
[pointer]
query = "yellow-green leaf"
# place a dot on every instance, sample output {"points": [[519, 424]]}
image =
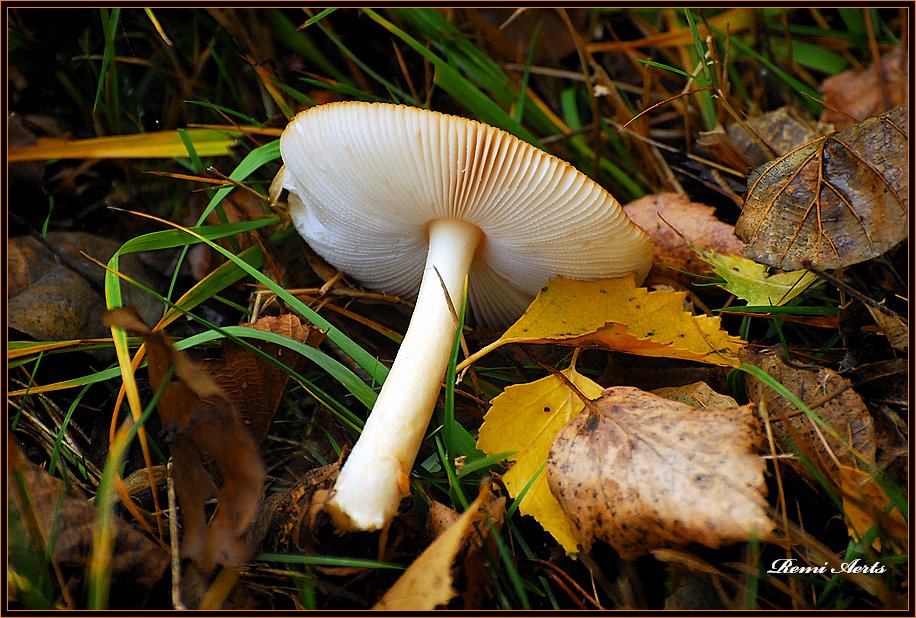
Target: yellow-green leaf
{"points": [[158, 145], [614, 314], [525, 419], [749, 280]]}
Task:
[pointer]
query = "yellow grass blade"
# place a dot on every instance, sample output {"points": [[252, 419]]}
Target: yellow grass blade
{"points": [[162, 144]]}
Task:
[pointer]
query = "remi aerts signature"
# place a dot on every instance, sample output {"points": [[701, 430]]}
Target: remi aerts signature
{"points": [[788, 566]]}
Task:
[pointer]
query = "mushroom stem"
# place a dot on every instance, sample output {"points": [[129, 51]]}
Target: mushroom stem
{"points": [[376, 475]]}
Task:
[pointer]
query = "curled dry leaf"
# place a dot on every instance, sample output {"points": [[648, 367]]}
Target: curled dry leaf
{"points": [[49, 515], [640, 472], [698, 395], [893, 327], [614, 314], [857, 95], [254, 384], [427, 583], [835, 201], [829, 396], [200, 422], [671, 221]]}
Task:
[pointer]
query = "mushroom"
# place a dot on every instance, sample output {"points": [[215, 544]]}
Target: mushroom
{"points": [[415, 202]]}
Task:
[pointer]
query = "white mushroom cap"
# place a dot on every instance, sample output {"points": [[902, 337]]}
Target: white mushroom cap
{"points": [[367, 178]]}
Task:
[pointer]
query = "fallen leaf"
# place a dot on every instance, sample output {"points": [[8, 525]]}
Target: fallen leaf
{"points": [[199, 422], [640, 472], [893, 327], [427, 582], [835, 201], [285, 519], [855, 95], [672, 221], [57, 296], [49, 515], [830, 396], [750, 281], [471, 573], [524, 419], [866, 504], [698, 395], [775, 133], [252, 383], [614, 314]]}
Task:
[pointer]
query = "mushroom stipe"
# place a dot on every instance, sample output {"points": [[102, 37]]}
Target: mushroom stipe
{"points": [[414, 202]]}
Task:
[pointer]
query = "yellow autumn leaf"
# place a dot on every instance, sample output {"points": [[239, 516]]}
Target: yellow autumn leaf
{"points": [[160, 144], [750, 281], [427, 582], [614, 314], [866, 504], [525, 418]]}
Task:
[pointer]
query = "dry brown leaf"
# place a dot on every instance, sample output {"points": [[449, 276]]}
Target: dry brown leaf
{"points": [[775, 133], [671, 220], [200, 422], [42, 505], [893, 327], [856, 95], [641, 472], [698, 395], [285, 520], [832, 202], [831, 397], [253, 384], [471, 576], [55, 297], [748, 144], [427, 583]]}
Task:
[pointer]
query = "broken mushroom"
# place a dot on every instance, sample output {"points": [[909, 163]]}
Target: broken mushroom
{"points": [[414, 202]]}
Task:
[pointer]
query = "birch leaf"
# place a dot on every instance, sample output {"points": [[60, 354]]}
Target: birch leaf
{"points": [[614, 314], [640, 472], [838, 200], [750, 282], [524, 419]]}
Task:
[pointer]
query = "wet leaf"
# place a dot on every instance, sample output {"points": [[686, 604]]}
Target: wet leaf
{"points": [[835, 201], [849, 434], [52, 516], [750, 281], [640, 472], [427, 583], [614, 314], [200, 423], [856, 95], [672, 221], [524, 419]]}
